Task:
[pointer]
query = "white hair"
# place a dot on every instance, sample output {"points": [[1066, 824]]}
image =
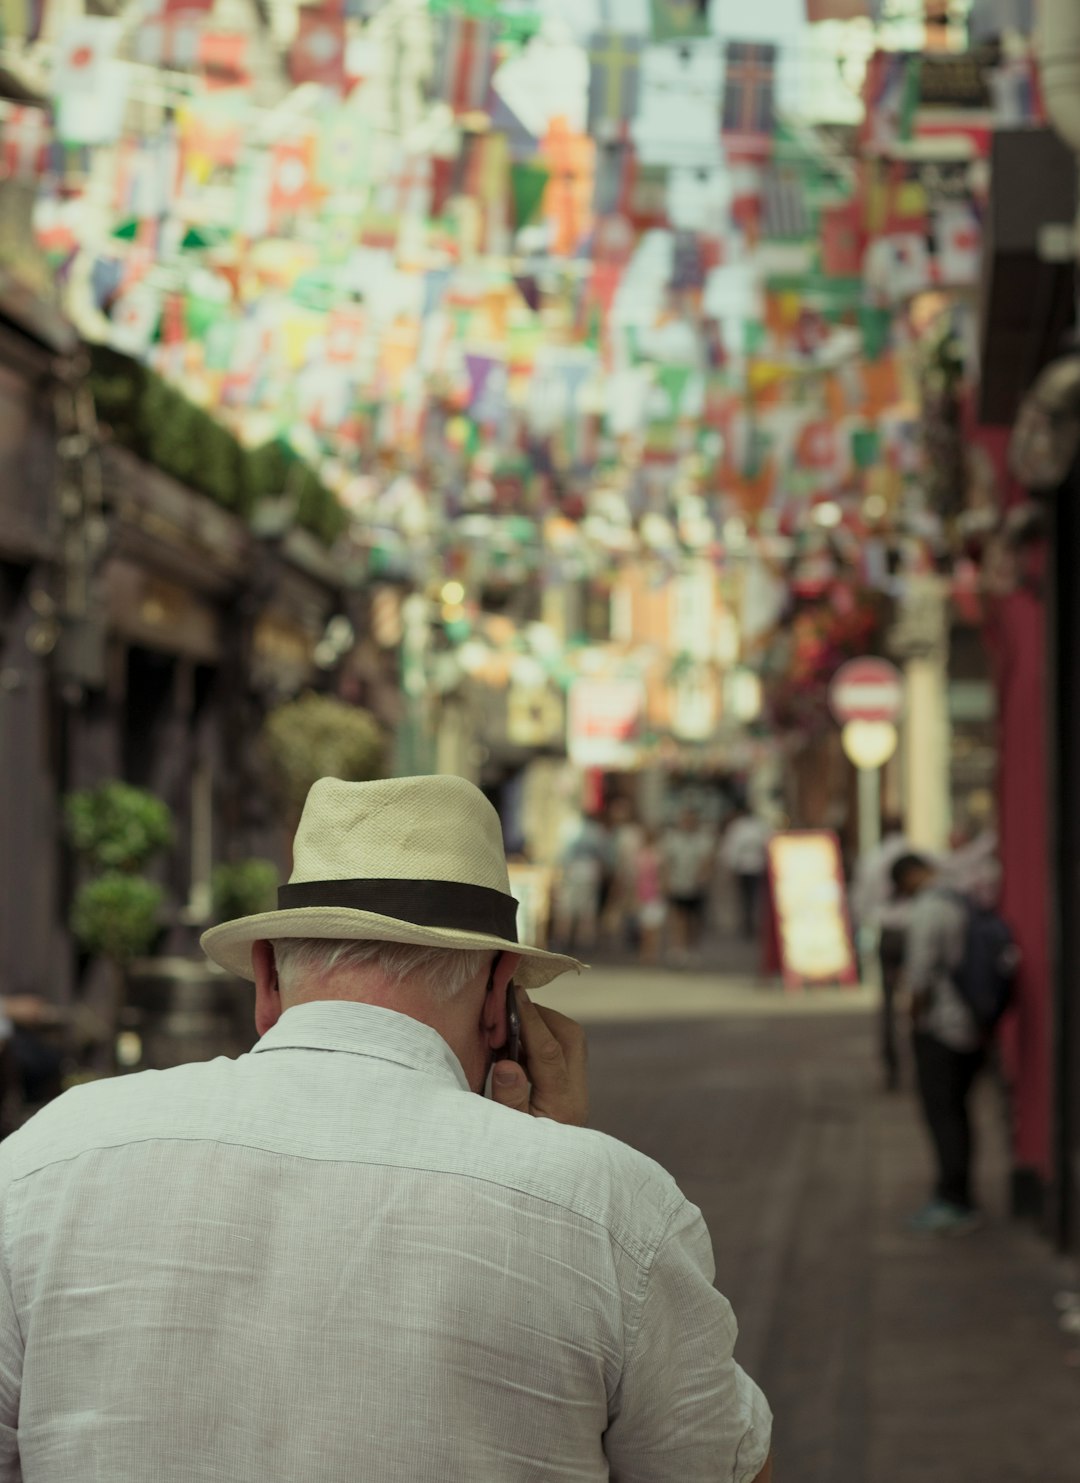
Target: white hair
{"points": [[444, 971]]}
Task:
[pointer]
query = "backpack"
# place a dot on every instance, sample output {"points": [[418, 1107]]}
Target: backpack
{"points": [[986, 976]]}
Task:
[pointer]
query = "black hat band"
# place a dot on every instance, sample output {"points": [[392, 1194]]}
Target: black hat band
{"points": [[455, 905]]}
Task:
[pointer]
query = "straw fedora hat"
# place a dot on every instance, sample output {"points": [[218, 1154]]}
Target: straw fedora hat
{"points": [[416, 860]]}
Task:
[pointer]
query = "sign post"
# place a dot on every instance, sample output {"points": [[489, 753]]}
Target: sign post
{"points": [[867, 699]]}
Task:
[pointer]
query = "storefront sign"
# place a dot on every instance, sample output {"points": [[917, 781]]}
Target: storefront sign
{"points": [[810, 904], [604, 720]]}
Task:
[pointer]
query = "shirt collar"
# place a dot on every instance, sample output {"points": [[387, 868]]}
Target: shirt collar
{"points": [[365, 1030]]}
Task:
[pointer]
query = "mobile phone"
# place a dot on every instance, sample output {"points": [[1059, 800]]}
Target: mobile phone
{"points": [[512, 1049]]}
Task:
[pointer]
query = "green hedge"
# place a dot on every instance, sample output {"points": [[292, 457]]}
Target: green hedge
{"points": [[160, 426]]}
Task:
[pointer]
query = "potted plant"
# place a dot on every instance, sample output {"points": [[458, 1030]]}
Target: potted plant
{"points": [[243, 889], [116, 830], [317, 736]]}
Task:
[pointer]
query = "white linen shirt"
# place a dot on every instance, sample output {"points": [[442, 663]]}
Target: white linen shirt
{"points": [[328, 1261]]}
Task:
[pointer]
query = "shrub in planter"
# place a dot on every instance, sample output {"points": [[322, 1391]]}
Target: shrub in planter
{"points": [[316, 737], [117, 916], [117, 827], [244, 889]]}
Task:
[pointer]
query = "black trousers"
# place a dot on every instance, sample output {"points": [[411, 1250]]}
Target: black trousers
{"points": [[945, 1078], [749, 897]]}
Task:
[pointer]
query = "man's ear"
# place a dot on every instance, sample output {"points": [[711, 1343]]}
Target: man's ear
{"points": [[267, 996], [494, 1010]]}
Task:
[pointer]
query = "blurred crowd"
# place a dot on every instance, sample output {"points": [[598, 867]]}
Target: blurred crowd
{"points": [[658, 891]]}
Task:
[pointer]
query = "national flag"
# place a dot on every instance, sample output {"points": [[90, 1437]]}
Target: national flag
{"points": [[676, 122], [890, 99], [527, 186], [841, 240], [614, 167], [466, 64], [318, 53], [571, 158], [211, 136], [82, 56], [345, 153], [25, 143], [647, 195], [170, 36], [747, 199], [1015, 88], [784, 213], [292, 185], [749, 112], [614, 81], [134, 318], [223, 60], [679, 20], [957, 244], [699, 200], [898, 267], [406, 190], [345, 334]]}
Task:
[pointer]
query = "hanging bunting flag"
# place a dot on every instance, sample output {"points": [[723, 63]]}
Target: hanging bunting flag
{"points": [[292, 185], [749, 113], [345, 153], [890, 98], [614, 80], [82, 56], [679, 20], [170, 36], [614, 169], [134, 318], [527, 186], [465, 65], [680, 102], [957, 244], [504, 120], [318, 53], [529, 289], [841, 240], [223, 60], [211, 136], [25, 143], [571, 158]]}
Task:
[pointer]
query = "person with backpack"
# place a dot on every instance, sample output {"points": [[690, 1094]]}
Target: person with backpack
{"points": [[959, 966]]}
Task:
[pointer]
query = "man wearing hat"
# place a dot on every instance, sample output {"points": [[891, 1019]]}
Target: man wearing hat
{"points": [[335, 1259]]}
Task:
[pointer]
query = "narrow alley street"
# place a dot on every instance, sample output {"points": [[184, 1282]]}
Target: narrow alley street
{"points": [[888, 1357]]}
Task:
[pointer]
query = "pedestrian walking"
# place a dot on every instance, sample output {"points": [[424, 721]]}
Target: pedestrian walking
{"points": [[745, 852], [882, 915], [584, 865], [689, 854], [335, 1258], [957, 960], [649, 895], [620, 908]]}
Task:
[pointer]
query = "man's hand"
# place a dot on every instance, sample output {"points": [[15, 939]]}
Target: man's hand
{"points": [[555, 1055]]}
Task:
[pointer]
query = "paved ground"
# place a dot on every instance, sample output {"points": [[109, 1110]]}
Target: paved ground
{"points": [[888, 1358]]}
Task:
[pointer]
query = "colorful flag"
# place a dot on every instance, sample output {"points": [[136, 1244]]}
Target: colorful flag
{"points": [[318, 53], [679, 20], [1017, 94], [957, 244], [749, 113], [346, 151], [82, 55], [466, 64], [211, 135], [890, 98], [170, 37], [293, 185], [784, 213], [527, 186], [571, 158], [676, 122], [223, 60], [614, 80], [841, 240], [699, 200], [25, 143]]}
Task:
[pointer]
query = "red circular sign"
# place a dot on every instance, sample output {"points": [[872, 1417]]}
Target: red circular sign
{"points": [[867, 690]]}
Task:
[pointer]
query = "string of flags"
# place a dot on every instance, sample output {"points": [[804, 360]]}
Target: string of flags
{"points": [[440, 237]]}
